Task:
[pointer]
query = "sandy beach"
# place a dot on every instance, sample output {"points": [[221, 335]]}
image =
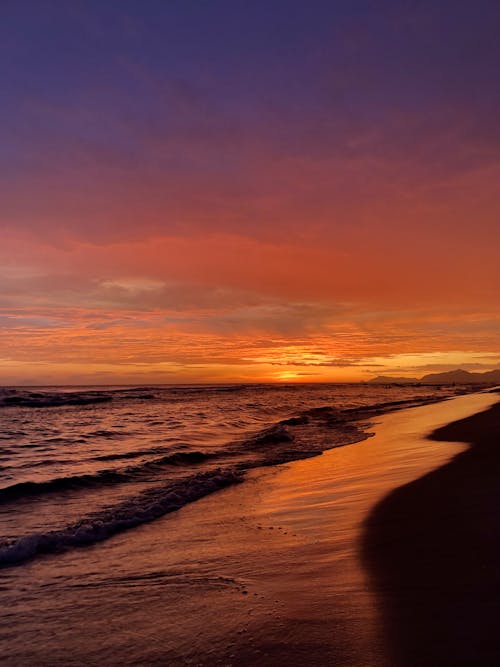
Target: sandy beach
{"points": [[438, 583], [384, 552]]}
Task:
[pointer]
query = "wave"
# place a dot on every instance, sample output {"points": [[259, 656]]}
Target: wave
{"points": [[46, 399], [270, 436], [306, 434], [23, 490], [11, 397], [141, 509], [134, 454], [268, 446], [390, 406]]}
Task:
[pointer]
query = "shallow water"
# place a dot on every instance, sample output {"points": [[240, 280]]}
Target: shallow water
{"points": [[266, 573], [80, 464]]}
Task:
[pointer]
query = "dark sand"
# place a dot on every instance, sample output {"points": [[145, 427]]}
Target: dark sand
{"points": [[432, 548], [379, 554]]}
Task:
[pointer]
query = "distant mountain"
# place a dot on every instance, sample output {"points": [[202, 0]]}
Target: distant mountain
{"points": [[458, 376], [462, 377], [492, 376]]}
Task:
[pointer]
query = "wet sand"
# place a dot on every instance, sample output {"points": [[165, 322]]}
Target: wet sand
{"points": [[350, 558], [432, 548]]}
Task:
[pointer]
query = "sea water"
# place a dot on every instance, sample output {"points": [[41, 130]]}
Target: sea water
{"points": [[80, 464]]}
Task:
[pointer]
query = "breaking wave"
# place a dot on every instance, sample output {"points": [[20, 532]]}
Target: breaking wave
{"points": [[47, 399], [102, 477], [306, 434], [143, 508]]}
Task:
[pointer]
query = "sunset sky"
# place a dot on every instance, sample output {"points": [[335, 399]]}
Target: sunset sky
{"points": [[248, 191]]}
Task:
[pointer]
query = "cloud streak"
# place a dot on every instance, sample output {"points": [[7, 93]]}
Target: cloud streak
{"points": [[217, 194]]}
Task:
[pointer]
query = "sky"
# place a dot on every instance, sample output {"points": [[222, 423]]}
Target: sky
{"points": [[236, 191]]}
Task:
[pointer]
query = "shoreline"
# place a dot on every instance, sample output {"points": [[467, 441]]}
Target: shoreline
{"points": [[268, 572], [307, 434], [432, 548]]}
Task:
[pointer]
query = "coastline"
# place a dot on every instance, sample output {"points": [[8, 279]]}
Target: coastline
{"points": [[306, 433], [438, 583], [267, 572]]}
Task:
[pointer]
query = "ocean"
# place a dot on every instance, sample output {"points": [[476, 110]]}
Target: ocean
{"points": [[81, 464]]}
